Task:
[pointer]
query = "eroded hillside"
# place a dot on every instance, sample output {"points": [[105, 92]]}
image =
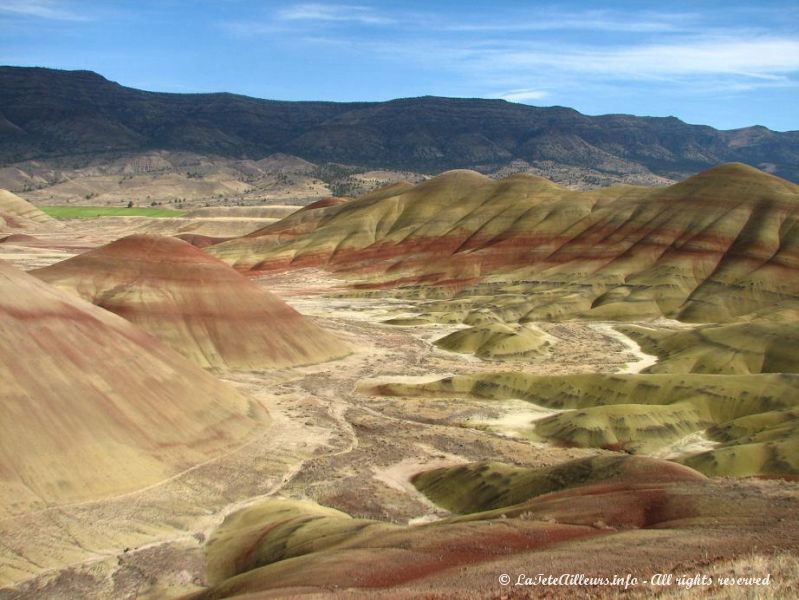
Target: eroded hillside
{"points": [[476, 377]]}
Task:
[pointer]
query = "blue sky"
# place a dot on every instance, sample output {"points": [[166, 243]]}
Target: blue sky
{"points": [[727, 64]]}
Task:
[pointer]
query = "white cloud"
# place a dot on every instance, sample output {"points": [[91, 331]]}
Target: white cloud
{"points": [[758, 62], [44, 9], [757, 58], [605, 21], [523, 95], [333, 12], [562, 52]]}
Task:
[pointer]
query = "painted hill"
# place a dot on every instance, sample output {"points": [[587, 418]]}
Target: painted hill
{"points": [[17, 213], [756, 346], [717, 246], [195, 303], [91, 406], [575, 518], [497, 341], [750, 420], [50, 113], [476, 487]]}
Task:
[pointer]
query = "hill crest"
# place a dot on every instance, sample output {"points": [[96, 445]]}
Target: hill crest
{"points": [[715, 246], [49, 113], [195, 303]]}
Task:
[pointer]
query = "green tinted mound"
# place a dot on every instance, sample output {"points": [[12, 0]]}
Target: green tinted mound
{"points": [[596, 510], [482, 486], [725, 397], [753, 347], [278, 530], [747, 428], [644, 413], [634, 428], [770, 459], [762, 444], [497, 341]]}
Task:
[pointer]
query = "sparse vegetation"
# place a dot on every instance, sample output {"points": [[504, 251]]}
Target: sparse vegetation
{"points": [[460, 133], [338, 178]]}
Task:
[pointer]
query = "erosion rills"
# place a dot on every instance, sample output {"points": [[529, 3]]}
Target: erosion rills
{"points": [[195, 303], [482, 486], [757, 346], [717, 246], [17, 214], [574, 517], [648, 413], [92, 406]]}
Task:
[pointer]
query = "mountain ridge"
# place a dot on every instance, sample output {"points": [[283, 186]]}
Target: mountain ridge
{"points": [[50, 113]]}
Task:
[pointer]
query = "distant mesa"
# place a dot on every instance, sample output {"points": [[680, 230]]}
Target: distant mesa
{"points": [[19, 214], [92, 406], [285, 163], [275, 211], [194, 303], [55, 113]]}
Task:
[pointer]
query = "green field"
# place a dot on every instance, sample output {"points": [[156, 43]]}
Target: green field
{"points": [[88, 212]]}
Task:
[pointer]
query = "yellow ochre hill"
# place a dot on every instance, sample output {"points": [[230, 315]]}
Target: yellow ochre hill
{"points": [[715, 247]]}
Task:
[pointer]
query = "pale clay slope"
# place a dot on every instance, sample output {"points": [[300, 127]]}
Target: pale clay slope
{"points": [[86, 393], [18, 215]]}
